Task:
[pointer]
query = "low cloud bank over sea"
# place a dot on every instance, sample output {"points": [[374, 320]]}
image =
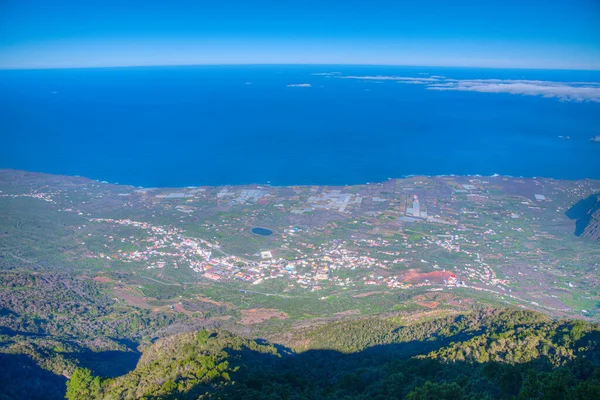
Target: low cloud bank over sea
{"points": [[566, 91]]}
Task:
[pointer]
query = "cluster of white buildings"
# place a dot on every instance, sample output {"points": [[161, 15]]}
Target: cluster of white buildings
{"points": [[169, 247], [35, 195], [164, 246]]}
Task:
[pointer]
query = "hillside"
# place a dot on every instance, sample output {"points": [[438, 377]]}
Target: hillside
{"points": [[488, 354], [52, 323], [355, 249], [97, 281]]}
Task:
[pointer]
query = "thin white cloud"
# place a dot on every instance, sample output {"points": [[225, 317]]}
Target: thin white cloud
{"points": [[299, 85], [441, 85], [415, 82], [566, 91], [326, 73], [534, 82], [389, 78]]}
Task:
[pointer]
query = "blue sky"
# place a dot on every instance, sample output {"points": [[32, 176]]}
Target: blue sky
{"points": [[484, 33]]}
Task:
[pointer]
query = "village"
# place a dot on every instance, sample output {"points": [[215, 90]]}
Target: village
{"points": [[487, 234]]}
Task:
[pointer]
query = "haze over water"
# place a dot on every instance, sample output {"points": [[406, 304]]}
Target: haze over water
{"points": [[219, 125]]}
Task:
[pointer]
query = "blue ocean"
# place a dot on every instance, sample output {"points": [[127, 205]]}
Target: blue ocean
{"points": [[287, 125]]}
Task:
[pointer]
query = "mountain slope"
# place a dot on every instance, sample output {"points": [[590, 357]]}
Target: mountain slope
{"points": [[503, 353]]}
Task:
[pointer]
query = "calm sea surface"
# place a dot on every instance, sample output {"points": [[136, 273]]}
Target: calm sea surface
{"points": [[179, 126]]}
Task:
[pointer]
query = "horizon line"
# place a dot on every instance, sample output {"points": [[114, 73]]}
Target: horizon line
{"points": [[30, 68]]}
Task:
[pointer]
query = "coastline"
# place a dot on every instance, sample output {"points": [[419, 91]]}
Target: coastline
{"points": [[195, 186]]}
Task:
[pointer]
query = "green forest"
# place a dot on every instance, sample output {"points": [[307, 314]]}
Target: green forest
{"points": [[61, 335], [487, 354]]}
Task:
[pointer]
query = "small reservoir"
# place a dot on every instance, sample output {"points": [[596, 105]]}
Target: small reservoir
{"points": [[262, 231]]}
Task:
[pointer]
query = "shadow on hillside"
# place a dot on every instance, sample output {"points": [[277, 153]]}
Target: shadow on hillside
{"points": [[393, 371], [378, 372], [582, 212], [108, 364], [22, 379], [12, 333]]}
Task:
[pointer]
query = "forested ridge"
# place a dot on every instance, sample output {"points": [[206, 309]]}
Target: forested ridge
{"points": [[52, 323], [57, 326], [487, 354], [69, 306]]}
